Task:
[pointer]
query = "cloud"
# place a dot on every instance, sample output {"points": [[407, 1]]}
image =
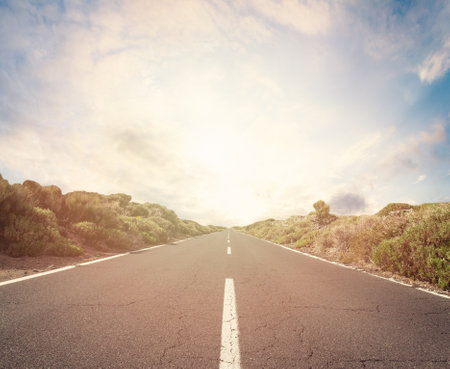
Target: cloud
{"points": [[360, 151], [420, 178], [412, 37], [436, 135], [410, 154], [435, 65], [348, 203], [309, 17], [231, 110]]}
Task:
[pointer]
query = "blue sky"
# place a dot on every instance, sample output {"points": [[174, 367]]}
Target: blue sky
{"points": [[229, 111]]}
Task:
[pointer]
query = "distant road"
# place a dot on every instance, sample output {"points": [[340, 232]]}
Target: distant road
{"points": [[213, 303]]}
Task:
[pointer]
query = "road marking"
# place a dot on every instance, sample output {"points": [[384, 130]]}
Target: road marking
{"points": [[230, 357], [229, 250], [352, 267], [228, 241], [36, 275], [4, 283], [103, 259]]}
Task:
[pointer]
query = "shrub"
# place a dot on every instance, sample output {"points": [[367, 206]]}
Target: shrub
{"points": [[91, 207], [88, 230], [161, 211], [13, 200], [26, 236], [37, 219], [151, 231], [120, 198], [393, 208], [322, 209], [421, 252], [116, 239], [46, 197], [98, 236], [323, 213], [45, 216], [307, 239], [137, 210]]}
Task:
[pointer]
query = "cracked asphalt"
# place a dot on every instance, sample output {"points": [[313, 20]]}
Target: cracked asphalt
{"points": [[163, 309]]}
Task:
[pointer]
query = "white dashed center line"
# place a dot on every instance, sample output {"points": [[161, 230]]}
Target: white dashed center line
{"points": [[229, 250], [230, 357]]}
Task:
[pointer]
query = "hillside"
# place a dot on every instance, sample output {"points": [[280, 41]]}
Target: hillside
{"points": [[39, 220], [410, 241]]}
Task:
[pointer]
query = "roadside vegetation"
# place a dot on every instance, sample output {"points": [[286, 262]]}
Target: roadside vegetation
{"points": [[412, 241], [37, 220]]}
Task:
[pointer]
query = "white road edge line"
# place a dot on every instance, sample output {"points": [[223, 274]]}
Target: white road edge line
{"points": [[4, 283], [228, 250], [36, 275], [103, 259], [351, 267], [230, 357]]}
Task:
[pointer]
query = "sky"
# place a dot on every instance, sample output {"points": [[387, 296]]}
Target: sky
{"points": [[229, 111]]}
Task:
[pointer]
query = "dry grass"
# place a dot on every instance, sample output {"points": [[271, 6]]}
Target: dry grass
{"points": [[413, 241]]}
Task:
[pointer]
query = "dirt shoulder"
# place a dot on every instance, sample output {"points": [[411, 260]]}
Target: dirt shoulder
{"points": [[11, 268]]}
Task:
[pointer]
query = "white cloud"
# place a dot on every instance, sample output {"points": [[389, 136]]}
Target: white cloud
{"points": [[309, 17], [409, 154], [435, 65], [420, 178], [360, 151]]}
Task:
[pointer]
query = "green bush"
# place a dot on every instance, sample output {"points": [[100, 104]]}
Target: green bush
{"points": [[117, 239], [121, 199], [88, 230], [46, 197], [307, 239], [394, 207], [45, 216], [27, 236], [37, 219], [165, 227], [421, 252], [322, 209], [322, 214], [151, 230], [409, 240], [13, 200], [137, 210], [100, 237], [82, 206], [157, 210]]}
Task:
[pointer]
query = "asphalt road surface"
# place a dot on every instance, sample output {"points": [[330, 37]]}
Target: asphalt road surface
{"points": [[171, 307]]}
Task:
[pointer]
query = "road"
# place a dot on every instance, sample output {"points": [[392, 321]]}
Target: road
{"points": [[168, 308]]}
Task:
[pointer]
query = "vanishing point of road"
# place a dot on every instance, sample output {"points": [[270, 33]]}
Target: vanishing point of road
{"points": [[224, 300]]}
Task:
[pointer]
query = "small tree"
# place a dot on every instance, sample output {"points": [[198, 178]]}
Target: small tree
{"points": [[322, 210]]}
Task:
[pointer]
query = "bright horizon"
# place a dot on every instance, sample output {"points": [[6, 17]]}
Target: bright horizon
{"points": [[229, 112]]}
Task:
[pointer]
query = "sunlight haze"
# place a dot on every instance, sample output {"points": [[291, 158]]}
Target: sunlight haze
{"points": [[229, 112]]}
